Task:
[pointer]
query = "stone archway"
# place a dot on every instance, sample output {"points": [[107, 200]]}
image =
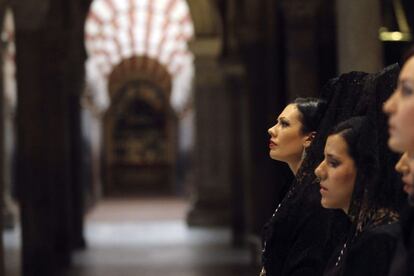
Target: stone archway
{"points": [[139, 129], [122, 36]]}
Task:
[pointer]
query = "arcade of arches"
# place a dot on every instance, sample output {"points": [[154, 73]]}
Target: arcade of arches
{"points": [[128, 101]]}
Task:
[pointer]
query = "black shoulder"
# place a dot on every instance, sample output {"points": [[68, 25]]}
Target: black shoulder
{"points": [[382, 238], [372, 252]]}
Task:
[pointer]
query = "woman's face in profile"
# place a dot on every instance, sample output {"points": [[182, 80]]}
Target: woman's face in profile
{"points": [[400, 108], [337, 174], [286, 139], [405, 167]]}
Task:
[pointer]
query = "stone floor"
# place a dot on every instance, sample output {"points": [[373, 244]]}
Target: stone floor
{"points": [[148, 237]]}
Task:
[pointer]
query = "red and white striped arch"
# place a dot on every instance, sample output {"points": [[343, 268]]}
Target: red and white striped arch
{"points": [[119, 29]]}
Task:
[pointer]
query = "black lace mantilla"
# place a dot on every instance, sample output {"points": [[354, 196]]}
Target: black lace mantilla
{"points": [[351, 94]]}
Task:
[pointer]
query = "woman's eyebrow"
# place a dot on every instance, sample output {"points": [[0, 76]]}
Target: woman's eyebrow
{"points": [[330, 155], [405, 80]]}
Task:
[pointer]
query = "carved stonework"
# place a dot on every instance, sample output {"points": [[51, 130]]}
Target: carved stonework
{"points": [[142, 68], [139, 128]]}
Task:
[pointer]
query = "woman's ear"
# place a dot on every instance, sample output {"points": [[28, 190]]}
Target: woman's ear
{"points": [[309, 138]]}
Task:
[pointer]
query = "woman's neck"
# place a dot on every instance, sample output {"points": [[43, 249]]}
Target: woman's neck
{"points": [[294, 166], [346, 209]]}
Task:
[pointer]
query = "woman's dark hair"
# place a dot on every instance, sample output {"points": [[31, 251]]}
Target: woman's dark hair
{"points": [[352, 130], [360, 140], [312, 111], [371, 192], [360, 94]]}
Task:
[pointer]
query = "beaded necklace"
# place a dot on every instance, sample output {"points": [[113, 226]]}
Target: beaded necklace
{"points": [[284, 200], [282, 203], [382, 216]]}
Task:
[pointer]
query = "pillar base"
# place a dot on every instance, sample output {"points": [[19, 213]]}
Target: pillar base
{"points": [[9, 220]]}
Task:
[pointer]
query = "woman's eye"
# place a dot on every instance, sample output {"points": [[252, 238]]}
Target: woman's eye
{"points": [[283, 123], [333, 163], [406, 90]]}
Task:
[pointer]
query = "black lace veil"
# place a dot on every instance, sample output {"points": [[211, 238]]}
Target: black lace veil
{"points": [[360, 94], [354, 94]]}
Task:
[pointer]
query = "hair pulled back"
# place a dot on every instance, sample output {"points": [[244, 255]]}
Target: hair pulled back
{"points": [[312, 111]]}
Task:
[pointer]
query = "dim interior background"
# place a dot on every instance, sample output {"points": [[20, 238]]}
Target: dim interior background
{"points": [[133, 133]]}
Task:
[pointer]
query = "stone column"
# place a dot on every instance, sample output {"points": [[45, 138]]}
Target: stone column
{"points": [[211, 196], [301, 56], [2, 206], [8, 144], [49, 58], [359, 48], [43, 159], [8, 119], [235, 77]]}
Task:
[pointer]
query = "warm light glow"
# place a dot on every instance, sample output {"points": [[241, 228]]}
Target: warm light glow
{"points": [[119, 29], [150, 24], [397, 36], [394, 36]]}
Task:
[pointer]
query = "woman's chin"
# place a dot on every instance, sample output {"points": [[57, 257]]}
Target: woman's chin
{"points": [[325, 204], [274, 156], [409, 189], [328, 205], [395, 145]]}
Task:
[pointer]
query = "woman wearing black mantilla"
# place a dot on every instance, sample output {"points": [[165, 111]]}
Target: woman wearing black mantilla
{"points": [[355, 179], [301, 236], [400, 109]]}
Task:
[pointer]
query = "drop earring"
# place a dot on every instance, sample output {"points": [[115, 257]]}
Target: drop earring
{"points": [[303, 154]]}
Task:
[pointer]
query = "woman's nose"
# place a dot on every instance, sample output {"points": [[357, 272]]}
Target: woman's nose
{"points": [[318, 171], [272, 131], [401, 165], [389, 105]]}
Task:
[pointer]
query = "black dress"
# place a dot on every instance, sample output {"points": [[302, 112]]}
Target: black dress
{"points": [[302, 235], [408, 234], [402, 263], [399, 262], [370, 254]]}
